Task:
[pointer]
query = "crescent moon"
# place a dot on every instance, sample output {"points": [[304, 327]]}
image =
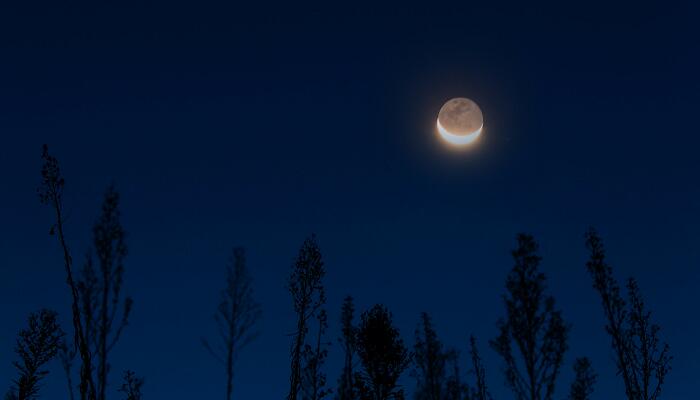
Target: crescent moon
{"points": [[458, 139]]}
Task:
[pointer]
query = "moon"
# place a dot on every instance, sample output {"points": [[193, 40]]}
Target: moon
{"points": [[460, 121]]}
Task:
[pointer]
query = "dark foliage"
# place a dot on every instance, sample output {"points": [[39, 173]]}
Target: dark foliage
{"points": [[36, 345], [533, 325], [642, 361], [308, 296], [51, 193], [582, 387], [236, 316], [346, 382], [383, 355], [131, 386]]}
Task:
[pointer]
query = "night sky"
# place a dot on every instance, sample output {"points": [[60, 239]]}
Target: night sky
{"points": [[227, 126]]}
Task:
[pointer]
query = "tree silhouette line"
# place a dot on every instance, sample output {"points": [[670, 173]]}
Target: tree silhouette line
{"points": [[531, 343]]}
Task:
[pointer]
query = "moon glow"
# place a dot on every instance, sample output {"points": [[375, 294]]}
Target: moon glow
{"points": [[460, 121]]}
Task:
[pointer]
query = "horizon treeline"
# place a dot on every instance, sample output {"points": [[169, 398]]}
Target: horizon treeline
{"points": [[532, 340]]}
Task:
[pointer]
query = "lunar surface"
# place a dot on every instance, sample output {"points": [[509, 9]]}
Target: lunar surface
{"points": [[460, 121]]}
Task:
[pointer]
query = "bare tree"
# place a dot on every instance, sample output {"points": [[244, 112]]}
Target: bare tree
{"points": [[430, 361], [313, 379], [88, 293], [346, 382], [642, 361], [99, 291], [650, 359], [236, 316], [131, 386], [437, 369], [308, 296], [51, 193], [534, 325], [67, 354], [383, 355], [36, 346], [110, 248], [455, 388], [582, 387], [480, 390]]}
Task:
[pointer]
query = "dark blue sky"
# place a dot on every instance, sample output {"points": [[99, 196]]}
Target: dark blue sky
{"points": [[232, 125]]}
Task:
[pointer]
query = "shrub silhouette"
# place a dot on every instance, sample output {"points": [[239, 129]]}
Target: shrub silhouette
{"points": [[642, 361], [383, 355], [102, 294], [308, 297], [236, 317], [346, 382], [313, 379], [36, 345], [51, 193], [131, 386], [533, 325], [480, 390], [582, 387], [430, 360]]}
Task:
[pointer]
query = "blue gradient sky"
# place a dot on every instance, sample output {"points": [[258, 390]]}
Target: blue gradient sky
{"points": [[231, 125]]}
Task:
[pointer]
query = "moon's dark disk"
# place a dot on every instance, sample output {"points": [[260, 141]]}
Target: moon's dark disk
{"points": [[460, 121]]}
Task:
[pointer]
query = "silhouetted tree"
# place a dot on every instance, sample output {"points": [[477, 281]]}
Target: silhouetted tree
{"points": [[455, 389], [642, 361], [383, 355], [430, 361], [585, 378], [51, 193], [131, 386], [67, 354], [100, 290], [313, 379], [111, 249], [308, 296], [36, 345], [480, 390], [236, 316], [346, 382], [533, 325], [88, 292]]}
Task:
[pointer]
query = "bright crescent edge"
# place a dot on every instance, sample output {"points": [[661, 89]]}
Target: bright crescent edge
{"points": [[458, 139]]}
